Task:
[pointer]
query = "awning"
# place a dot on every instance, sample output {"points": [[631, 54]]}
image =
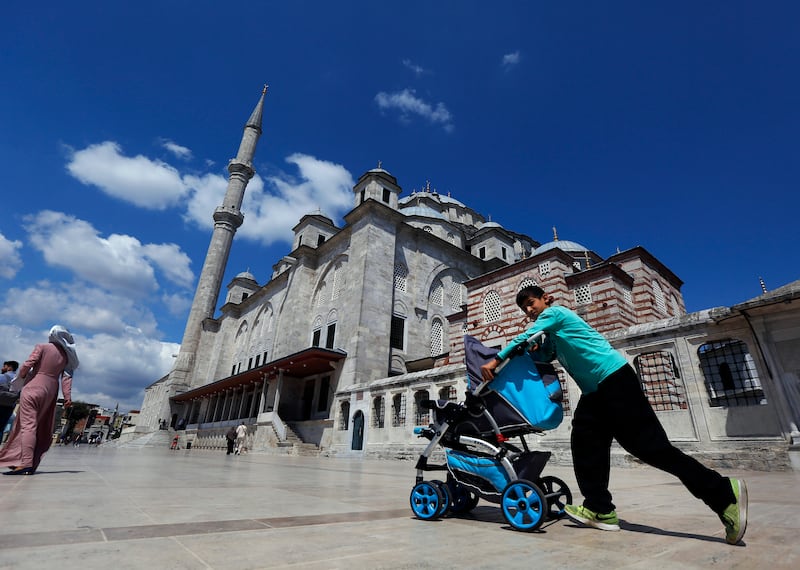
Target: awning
{"points": [[301, 364]]}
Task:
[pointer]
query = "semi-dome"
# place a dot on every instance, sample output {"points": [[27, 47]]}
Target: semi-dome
{"points": [[423, 211], [563, 245]]}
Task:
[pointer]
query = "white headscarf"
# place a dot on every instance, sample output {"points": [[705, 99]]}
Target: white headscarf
{"points": [[62, 337]]}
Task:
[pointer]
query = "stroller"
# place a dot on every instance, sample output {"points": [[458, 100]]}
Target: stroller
{"points": [[481, 463]]}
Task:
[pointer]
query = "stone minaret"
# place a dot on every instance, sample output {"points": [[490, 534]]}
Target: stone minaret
{"points": [[227, 218]]}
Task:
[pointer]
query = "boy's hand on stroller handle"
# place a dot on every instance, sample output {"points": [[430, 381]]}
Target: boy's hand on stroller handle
{"points": [[487, 370]]}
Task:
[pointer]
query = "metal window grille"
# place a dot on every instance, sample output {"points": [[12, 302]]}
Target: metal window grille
{"points": [[400, 275], [456, 296], [448, 393], [527, 282], [437, 337], [627, 294], [397, 332], [658, 293], [437, 295], [544, 269], [660, 380], [421, 415], [378, 412], [491, 307], [583, 295], [562, 379], [399, 410], [344, 416], [730, 374]]}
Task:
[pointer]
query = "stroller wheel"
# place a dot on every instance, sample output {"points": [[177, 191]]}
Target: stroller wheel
{"points": [[426, 500], [462, 500], [524, 505], [446, 497], [558, 495]]}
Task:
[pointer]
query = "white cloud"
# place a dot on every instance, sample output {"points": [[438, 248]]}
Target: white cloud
{"points": [[179, 151], [114, 368], [510, 60], [139, 180], [416, 69], [407, 103], [118, 262], [10, 260], [271, 208]]}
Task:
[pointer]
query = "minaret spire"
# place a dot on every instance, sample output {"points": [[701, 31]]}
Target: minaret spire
{"points": [[227, 219]]}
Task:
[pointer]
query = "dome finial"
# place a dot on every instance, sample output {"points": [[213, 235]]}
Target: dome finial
{"points": [[763, 285], [264, 91], [586, 257], [379, 164], [555, 234]]}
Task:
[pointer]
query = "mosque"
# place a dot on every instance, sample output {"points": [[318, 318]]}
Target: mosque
{"points": [[358, 324]]}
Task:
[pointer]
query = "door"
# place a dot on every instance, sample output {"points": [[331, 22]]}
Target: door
{"points": [[358, 431]]}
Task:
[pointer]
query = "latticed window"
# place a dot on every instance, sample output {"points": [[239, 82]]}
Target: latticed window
{"points": [[527, 282], [437, 337], [437, 294], [583, 295], [421, 415], [627, 294], [730, 374], [378, 412], [451, 238], [427, 229], [576, 265], [344, 416], [491, 307], [397, 332], [456, 296], [658, 293], [400, 277], [399, 410], [544, 269], [335, 284], [676, 308], [448, 393], [660, 380]]}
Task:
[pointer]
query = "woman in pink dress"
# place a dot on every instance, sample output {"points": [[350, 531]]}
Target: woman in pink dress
{"points": [[32, 433]]}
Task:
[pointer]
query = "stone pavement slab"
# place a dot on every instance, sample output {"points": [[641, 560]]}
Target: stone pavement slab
{"points": [[112, 508]]}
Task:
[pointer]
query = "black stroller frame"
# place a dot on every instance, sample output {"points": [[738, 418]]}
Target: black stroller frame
{"points": [[481, 462]]}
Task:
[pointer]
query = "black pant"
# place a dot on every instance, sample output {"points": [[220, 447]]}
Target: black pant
{"points": [[230, 446], [619, 410]]}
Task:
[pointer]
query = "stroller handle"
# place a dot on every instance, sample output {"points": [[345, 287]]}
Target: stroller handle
{"points": [[535, 338]]}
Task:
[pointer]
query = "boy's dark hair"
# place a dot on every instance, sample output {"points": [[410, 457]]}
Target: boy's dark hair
{"points": [[529, 291], [12, 364]]}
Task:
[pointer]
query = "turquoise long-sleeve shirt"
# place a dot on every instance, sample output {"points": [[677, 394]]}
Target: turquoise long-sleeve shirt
{"points": [[585, 354]]}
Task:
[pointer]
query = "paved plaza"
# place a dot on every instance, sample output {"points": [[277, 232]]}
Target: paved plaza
{"points": [[90, 507]]}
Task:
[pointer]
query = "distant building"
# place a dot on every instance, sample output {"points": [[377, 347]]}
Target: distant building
{"points": [[357, 324]]}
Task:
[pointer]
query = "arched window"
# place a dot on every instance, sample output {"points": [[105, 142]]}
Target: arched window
{"points": [[491, 307], [527, 282], [437, 337], [437, 293]]}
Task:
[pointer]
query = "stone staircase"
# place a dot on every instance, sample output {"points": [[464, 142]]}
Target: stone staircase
{"points": [[158, 438], [297, 445]]}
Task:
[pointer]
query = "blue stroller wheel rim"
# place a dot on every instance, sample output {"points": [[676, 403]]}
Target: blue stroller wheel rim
{"points": [[426, 500], [523, 505]]}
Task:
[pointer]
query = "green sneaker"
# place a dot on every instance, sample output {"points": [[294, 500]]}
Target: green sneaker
{"points": [[584, 516], [735, 516]]}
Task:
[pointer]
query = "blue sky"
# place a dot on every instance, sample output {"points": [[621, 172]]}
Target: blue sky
{"points": [[668, 125]]}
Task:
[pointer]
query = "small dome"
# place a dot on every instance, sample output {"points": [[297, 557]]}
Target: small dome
{"points": [[450, 200], [490, 225], [423, 211], [246, 275], [563, 245]]}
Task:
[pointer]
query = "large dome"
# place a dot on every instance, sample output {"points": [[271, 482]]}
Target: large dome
{"points": [[563, 245]]}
